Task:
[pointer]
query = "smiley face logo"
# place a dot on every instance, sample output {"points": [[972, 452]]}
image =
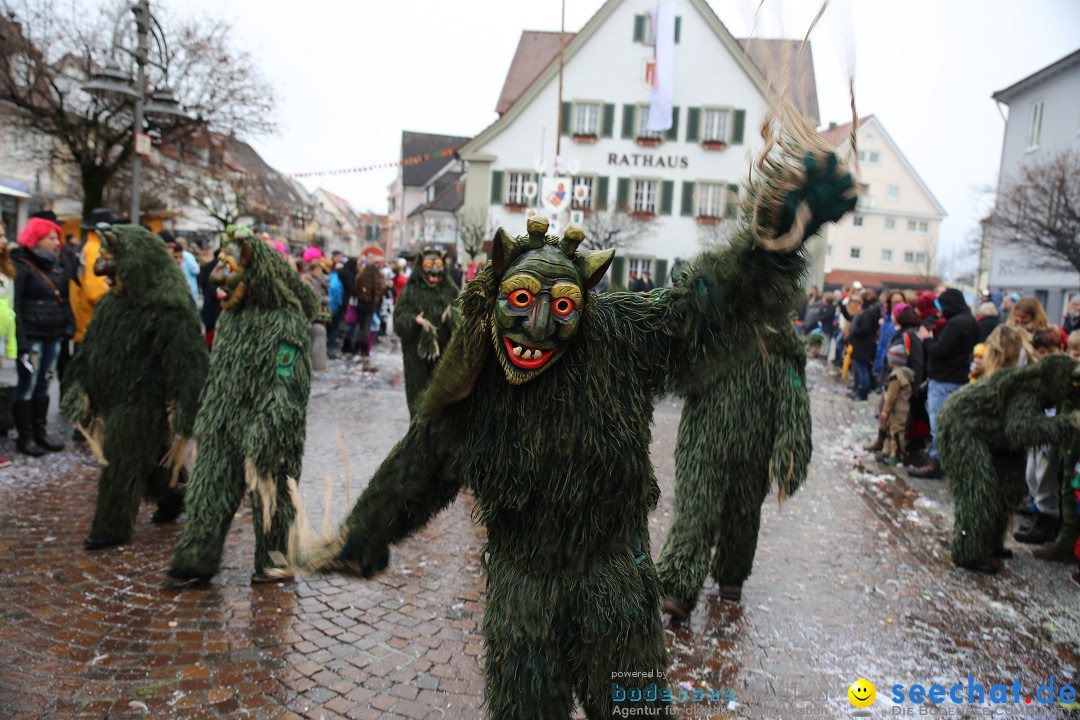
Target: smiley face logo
{"points": [[862, 693]]}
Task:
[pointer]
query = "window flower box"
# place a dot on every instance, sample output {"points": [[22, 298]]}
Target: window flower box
{"points": [[714, 145], [643, 215], [709, 219], [587, 139], [648, 141], [515, 207]]}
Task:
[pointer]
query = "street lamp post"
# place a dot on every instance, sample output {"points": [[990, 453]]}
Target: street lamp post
{"points": [[113, 83]]}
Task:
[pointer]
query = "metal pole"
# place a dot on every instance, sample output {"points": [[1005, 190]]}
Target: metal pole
{"points": [[558, 128], [142, 24]]}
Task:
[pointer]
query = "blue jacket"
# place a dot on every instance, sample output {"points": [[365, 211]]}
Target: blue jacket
{"points": [[336, 292], [887, 329]]}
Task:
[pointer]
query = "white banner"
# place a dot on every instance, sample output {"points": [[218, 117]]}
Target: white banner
{"points": [[555, 193], [660, 109]]}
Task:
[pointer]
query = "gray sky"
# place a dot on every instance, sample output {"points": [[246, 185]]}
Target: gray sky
{"points": [[351, 76]]}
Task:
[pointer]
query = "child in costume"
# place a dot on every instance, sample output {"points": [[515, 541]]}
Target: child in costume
{"points": [[894, 411], [425, 315], [134, 385], [542, 407], [252, 413], [986, 429]]}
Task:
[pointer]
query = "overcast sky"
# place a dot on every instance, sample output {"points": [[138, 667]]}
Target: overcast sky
{"points": [[351, 76]]}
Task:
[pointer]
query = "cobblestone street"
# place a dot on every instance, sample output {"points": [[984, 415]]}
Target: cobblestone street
{"points": [[852, 580]]}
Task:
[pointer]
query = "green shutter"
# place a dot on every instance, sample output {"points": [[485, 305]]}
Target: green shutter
{"points": [[600, 193], [660, 278], [567, 117], [667, 196], [639, 28], [687, 198], [622, 194], [628, 121], [608, 120], [678, 28], [737, 132], [693, 124], [673, 131], [731, 207], [497, 187], [618, 272]]}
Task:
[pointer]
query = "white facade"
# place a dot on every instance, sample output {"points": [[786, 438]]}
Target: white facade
{"points": [[1044, 118], [895, 228], [603, 83]]}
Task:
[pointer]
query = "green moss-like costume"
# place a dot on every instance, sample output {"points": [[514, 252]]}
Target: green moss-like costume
{"points": [[984, 431], [252, 414], [749, 423], [134, 384], [422, 345], [542, 407]]}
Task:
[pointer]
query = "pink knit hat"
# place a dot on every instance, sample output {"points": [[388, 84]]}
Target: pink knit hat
{"points": [[36, 229], [312, 253], [280, 247], [899, 308]]}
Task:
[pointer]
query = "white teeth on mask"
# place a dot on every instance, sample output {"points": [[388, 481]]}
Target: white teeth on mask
{"points": [[517, 351], [527, 354]]}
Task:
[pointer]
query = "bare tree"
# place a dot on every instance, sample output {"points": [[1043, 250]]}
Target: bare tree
{"points": [[1039, 210], [715, 235], [475, 229], [48, 49], [613, 229]]}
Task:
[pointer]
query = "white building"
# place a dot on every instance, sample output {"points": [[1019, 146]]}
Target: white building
{"points": [[1044, 118], [417, 184], [679, 183], [890, 241]]}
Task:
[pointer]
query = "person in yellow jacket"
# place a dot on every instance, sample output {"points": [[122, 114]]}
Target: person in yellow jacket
{"points": [[85, 289]]}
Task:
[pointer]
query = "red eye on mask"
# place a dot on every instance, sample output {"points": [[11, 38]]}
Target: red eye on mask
{"points": [[563, 307], [520, 299]]}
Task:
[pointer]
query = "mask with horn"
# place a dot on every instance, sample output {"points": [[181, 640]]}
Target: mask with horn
{"points": [[543, 283]]}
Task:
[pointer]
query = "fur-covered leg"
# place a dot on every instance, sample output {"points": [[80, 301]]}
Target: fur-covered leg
{"points": [[975, 486], [120, 490], [273, 539], [217, 486], [736, 545]]}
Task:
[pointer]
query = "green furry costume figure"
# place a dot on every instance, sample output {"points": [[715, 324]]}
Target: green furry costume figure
{"points": [[425, 316], [134, 384], [740, 427], [542, 407], [984, 431], [252, 414]]}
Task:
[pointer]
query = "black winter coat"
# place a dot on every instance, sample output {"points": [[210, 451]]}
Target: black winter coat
{"points": [[949, 354], [915, 359], [863, 335], [984, 326], [39, 313]]}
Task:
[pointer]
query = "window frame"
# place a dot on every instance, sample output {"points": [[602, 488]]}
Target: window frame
{"points": [[720, 203], [728, 123], [890, 220], [888, 259], [858, 221], [590, 204], [889, 194], [635, 182], [1034, 128], [855, 252], [509, 199], [599, 112], [641, 119]]}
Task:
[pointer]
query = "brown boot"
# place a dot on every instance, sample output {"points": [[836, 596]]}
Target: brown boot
{"points": [[878, 444], [930, 471], [1054, 553]]}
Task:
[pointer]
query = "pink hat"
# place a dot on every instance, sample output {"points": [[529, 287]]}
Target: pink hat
{"points": [[312, 253], [280, 247], [36, 229], [899, 308]]}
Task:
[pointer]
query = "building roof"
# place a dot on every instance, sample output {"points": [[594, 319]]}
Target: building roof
{"points": [[838, 135], [537, 49], [1038, 77], [840, 278], [449, 199], [780, 59], [416, 143]]}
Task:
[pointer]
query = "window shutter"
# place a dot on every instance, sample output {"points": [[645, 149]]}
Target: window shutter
{"points": [[628, 121], [687, 198], [567, 117], [737, 131], [667, 194], [678, 28], [622, 194], [660, 278], [497, 187], [618, 271], [600, 193], [608, 120], [693, 124], [673, 131], [731, 207], [639, 28]]}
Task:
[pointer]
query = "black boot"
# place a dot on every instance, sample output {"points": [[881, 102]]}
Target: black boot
{"points": [[24, 426], [41, 421], [1043, 529]]}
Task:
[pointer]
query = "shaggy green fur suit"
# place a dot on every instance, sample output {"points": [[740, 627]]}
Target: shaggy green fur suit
{"points": [[135, 381], [252, 415], [984, 432], [558, 459]]}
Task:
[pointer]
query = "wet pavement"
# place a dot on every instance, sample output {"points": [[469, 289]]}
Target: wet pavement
{"points": [[852, 581]]}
